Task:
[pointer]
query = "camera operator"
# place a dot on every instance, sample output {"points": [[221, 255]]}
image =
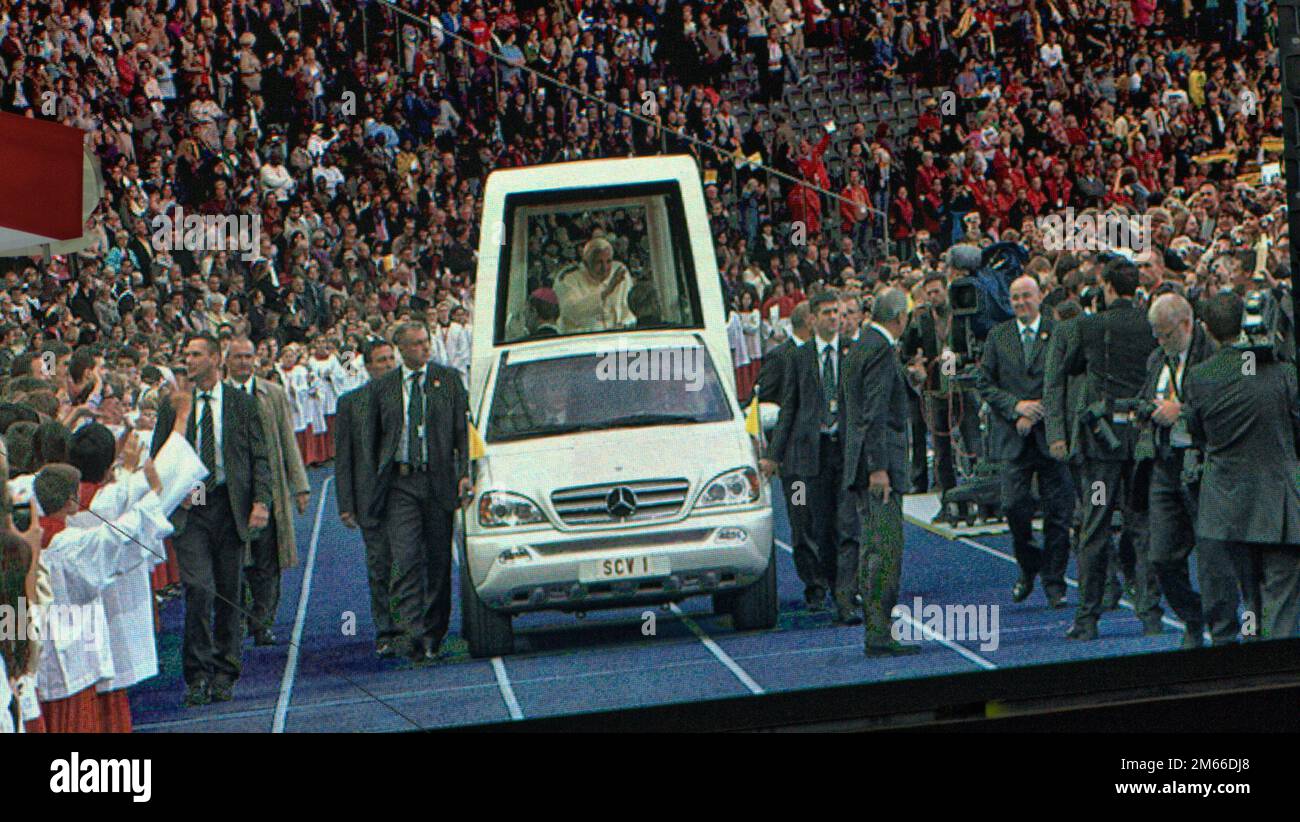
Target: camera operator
{"points": [[945, 406], [1169, 461], [1111, 349], [1011, 382], [1241, 407]]}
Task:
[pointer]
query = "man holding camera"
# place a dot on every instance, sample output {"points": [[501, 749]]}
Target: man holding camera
{"points": [[1241, 406], [1170, 460], [1111, 349]]}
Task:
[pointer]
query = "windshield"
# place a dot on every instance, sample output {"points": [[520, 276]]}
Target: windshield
{"points": [[626, 388], [610, 259]]}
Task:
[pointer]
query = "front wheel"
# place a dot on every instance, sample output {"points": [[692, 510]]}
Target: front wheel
{"points": [[756, 607], [488, 632]]}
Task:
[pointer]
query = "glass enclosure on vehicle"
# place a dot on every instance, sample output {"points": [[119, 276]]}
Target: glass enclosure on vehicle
{"points": [[593, 392], [608, 259]]}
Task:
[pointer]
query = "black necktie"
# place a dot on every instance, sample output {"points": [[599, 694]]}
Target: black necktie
{"points": [[415, 422], [1027, 343], [208, 439], [828, 384]]}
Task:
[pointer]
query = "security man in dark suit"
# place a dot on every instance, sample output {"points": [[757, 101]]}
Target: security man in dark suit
{"points": [[1010, 380], [1171, 510], [806, 447], [355, 474], [772, 374], [1111, 349], [875, 464], [1241, 406], [420, 437], [218, 519]]}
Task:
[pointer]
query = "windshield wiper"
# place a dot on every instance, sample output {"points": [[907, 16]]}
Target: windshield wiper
{"points": [[653, 419]]}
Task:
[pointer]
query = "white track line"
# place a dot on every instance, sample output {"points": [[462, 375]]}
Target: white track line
{"points": [[291, 667], [716, 650], [507, 691], [928, 632]]}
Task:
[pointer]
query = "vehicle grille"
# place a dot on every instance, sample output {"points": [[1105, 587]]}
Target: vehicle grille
{"points": [[655, 499]]}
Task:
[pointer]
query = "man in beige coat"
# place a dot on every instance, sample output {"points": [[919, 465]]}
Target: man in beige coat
{"points": [[276, 548]]}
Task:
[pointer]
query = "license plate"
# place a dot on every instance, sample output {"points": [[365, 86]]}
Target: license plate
{"points": [[624, 568]]}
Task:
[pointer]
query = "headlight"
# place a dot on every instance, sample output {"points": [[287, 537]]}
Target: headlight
{"points": [[502, 509], [736, 487]]}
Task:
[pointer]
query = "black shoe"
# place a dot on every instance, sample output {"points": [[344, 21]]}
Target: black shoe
{"points": [[222, 691], [1022, 589], [847, 616], [892, 649], [1152, 626], [263, 636], [197, 694], [816, 600], [1194, 637], [1082, 631], [424, 650], [1056, 600]]}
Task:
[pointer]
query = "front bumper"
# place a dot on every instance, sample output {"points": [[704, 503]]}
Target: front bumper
{"points": [[538, 570]]}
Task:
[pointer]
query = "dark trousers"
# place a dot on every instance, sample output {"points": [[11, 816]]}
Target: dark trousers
{"points": [[419, 536], [1106, 488], [210, 554], [961, 412], [1266, 576], [829, 558], [379, 575], [1171, 517], [916, 436], [880, 562], [1057, 497], [262, 577]]}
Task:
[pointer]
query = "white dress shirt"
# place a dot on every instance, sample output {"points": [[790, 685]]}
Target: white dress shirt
{"points": [[215, 406], [404, 445], [833, 344]]}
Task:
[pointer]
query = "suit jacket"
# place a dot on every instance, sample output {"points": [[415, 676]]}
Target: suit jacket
{"points": [[1118, 374], [243, 450], [1248, 425], [1004, 379], [772, 374], [288, 475], [1201, 348], [876, 412], [356, 464], [446, 407], [796, 442]]}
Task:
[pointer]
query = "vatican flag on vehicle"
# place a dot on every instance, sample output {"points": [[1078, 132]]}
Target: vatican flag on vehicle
{"points": [[477, 450], [753, 426]]}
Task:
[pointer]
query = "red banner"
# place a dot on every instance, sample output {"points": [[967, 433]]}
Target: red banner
{"points": [[40, 177]]}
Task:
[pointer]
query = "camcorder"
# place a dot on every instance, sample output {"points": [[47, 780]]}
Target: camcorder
{"points": [[1100, 416], [965, 304], [1261, 322]]}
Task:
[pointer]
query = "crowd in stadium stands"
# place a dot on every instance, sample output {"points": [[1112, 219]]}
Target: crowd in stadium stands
{"points": [[362, 138]]}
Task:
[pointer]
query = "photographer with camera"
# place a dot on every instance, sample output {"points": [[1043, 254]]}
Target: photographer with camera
{"points": [[946, 406], [1111, 348], [1242, 409], [1011, 382], [1169, 462]]}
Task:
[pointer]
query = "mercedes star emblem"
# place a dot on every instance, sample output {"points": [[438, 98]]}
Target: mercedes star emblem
{"points": [[621, 502]]}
